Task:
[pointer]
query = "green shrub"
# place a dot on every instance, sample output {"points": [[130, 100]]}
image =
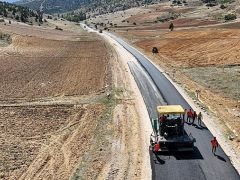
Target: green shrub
{"points": [[230, 17], [222, 6], [171, 26], [75, 17]]}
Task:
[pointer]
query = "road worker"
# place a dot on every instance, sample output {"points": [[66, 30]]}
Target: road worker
{"points": [[156, 147], [189, 115], [194, 117], [199, 117], [163, 119], [214, 143]]}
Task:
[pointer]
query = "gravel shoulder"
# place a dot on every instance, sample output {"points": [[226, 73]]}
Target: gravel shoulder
{"points": [[135, 145]]}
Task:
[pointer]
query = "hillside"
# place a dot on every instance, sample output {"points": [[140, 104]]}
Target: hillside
{"points": [[95, 6], [19, 13]]}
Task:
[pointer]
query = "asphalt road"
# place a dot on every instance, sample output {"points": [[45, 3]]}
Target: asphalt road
{"points": [[147, 88], [201, 164]]}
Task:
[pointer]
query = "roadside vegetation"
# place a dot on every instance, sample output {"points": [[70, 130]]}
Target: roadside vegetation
{"points": [[212, 3], [99, 151], [224, 80], [230, 17]]}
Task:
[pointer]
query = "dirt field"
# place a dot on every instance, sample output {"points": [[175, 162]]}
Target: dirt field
{"points": [[194, 48], [34, 67], [49, 141], [25, 129], [64, 113]]}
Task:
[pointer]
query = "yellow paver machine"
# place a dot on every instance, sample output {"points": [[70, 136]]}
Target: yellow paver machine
{"points": [[168, 130]]}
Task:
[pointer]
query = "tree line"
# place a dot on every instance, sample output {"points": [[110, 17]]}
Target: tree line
{"points": [[75, 17]]}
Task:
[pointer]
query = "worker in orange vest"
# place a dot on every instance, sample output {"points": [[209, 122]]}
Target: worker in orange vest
{"points": [[163, 119], [214, 143], [189, 115], [156, 147]]}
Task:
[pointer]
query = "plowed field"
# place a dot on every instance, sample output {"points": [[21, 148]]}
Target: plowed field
{"points": [[196, 48], [35, 67], [64, 113], [48, 140]]}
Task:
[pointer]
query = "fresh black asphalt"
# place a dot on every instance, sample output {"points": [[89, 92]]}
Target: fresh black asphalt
{"points": [[147, 89], [199, 165]]}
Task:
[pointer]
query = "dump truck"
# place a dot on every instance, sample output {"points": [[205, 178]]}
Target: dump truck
{"points": [[168, 130]]}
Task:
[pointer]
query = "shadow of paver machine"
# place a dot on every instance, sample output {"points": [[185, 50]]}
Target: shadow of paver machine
{"points": [[168, 130]]}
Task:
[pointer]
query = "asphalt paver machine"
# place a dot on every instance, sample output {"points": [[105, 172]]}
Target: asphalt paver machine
{"points": [[168, 130]]}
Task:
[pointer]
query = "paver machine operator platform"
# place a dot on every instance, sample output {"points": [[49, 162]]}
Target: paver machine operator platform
{"points": [[168, 130]]}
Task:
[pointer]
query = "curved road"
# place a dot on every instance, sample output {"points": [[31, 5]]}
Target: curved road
{"points": [[200, 165]]}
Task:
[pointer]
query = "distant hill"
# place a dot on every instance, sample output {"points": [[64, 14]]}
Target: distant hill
{"points": [[19, 13], [97, 6]]}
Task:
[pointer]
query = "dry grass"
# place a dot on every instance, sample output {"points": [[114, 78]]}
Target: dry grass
{"points": [[225, 81], [5, 39]]}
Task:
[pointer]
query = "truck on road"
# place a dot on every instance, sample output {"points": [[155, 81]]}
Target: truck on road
{"points": [[168, 130]]}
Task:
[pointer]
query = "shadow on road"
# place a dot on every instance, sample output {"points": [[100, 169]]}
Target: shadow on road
{"points": [[201, 127], [221, 158], [158, 157], [197, 126], [158, 160], [188, 155]]}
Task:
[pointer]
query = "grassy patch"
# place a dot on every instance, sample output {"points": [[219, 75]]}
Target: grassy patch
{"points": [[168, 17], [225, 81], [5, 39], [218, 17], [193, 96], [225, 1], [118, 91], [101, 142]]}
